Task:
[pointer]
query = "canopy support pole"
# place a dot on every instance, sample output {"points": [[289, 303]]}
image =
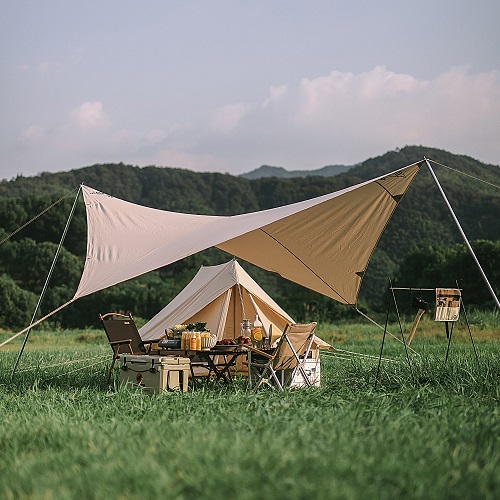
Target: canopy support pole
{"points": [[383, 338], [490, 288], [49, 275]]}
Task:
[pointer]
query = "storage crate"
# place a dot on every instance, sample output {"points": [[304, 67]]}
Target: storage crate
{"points": [[312, 368], [155, 374]]}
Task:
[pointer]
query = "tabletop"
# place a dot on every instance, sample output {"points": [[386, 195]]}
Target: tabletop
{"points": [[218, 360]]}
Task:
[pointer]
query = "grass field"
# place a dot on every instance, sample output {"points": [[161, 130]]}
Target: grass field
{"points": [[435, 434]]}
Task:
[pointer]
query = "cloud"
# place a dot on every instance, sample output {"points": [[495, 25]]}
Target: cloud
{"points": [[228, 117], [344, 117], [83, 137], [32, 134], [340, 117], [275, 94], [90, 116]]}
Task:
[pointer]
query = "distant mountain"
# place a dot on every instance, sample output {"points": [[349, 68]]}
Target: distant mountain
{"points": [[269, 171]]}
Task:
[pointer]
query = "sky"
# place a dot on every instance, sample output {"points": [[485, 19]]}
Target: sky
{"points": [[228, 86]]}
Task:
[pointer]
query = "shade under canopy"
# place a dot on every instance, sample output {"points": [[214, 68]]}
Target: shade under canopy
{"points": [[323, 243]]}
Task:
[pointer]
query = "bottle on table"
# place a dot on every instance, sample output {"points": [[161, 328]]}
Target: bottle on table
{"points": [[192, 341], [257, 332]]}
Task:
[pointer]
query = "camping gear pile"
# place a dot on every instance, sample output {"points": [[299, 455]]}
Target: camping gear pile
{"points": [[222, 295]]}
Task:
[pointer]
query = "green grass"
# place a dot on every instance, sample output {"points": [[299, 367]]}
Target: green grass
{"points": [[433, 435]]}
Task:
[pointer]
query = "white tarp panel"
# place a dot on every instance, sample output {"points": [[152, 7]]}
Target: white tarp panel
{"points": [[323, 244]]}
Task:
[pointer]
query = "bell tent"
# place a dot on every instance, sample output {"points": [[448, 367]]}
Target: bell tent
{"points": [[222, 296]]}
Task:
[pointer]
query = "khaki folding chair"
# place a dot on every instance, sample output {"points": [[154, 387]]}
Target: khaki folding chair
{"points": [[123, 336], [279, 368]]}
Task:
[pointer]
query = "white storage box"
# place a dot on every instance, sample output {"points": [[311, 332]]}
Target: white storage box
{"points": [[155, 374], [312, 368]]}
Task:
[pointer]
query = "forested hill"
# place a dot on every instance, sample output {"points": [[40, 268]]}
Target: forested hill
{"points": [[422, 215], [165, 187], [421, 219]]}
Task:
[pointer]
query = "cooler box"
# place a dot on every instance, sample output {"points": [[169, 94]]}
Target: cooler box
{"points": [[155, 374]]}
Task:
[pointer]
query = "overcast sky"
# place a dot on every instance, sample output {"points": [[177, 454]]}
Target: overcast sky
{"points": [[230, 85]]}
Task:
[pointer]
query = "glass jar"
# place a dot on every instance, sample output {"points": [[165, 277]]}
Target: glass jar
{"points": [[257, 332], [246, 328]]}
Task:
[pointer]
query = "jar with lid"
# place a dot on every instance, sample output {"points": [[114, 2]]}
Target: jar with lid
{"points": [[257, 332], [246, 328]]}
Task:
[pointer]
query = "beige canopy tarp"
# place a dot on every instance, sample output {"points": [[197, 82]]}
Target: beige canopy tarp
{"points": [[323, 243]]}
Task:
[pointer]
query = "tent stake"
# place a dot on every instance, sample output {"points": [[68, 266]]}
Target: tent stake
{"points": [[490, 288], [49, 275]]}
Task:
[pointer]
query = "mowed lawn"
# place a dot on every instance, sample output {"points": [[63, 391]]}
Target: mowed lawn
{"points": [[432, 432]]}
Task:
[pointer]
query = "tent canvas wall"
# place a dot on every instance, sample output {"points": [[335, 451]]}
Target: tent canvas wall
{"points": [[222, 296]]}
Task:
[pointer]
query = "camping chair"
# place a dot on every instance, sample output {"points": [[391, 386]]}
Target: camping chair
{"points": [[123, 336], [278, 369]]}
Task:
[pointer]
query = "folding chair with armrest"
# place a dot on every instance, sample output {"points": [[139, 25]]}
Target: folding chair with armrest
{"points": [[123, 336], [290, 355]]}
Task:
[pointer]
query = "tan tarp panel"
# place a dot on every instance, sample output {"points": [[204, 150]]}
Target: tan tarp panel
{"points": [[323, 244]]}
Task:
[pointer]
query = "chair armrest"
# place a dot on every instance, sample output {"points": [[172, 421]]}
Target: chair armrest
{"points": [[258, 351], [120, 342]]}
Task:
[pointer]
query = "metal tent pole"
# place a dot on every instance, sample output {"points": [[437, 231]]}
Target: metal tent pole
{"points": [[490, 288], [402, 334], [383, 338], [449, 333], [49, 275]]}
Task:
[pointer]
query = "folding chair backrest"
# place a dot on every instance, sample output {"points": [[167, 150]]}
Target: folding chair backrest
{"points": [[297, 337], [121, 327]]}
